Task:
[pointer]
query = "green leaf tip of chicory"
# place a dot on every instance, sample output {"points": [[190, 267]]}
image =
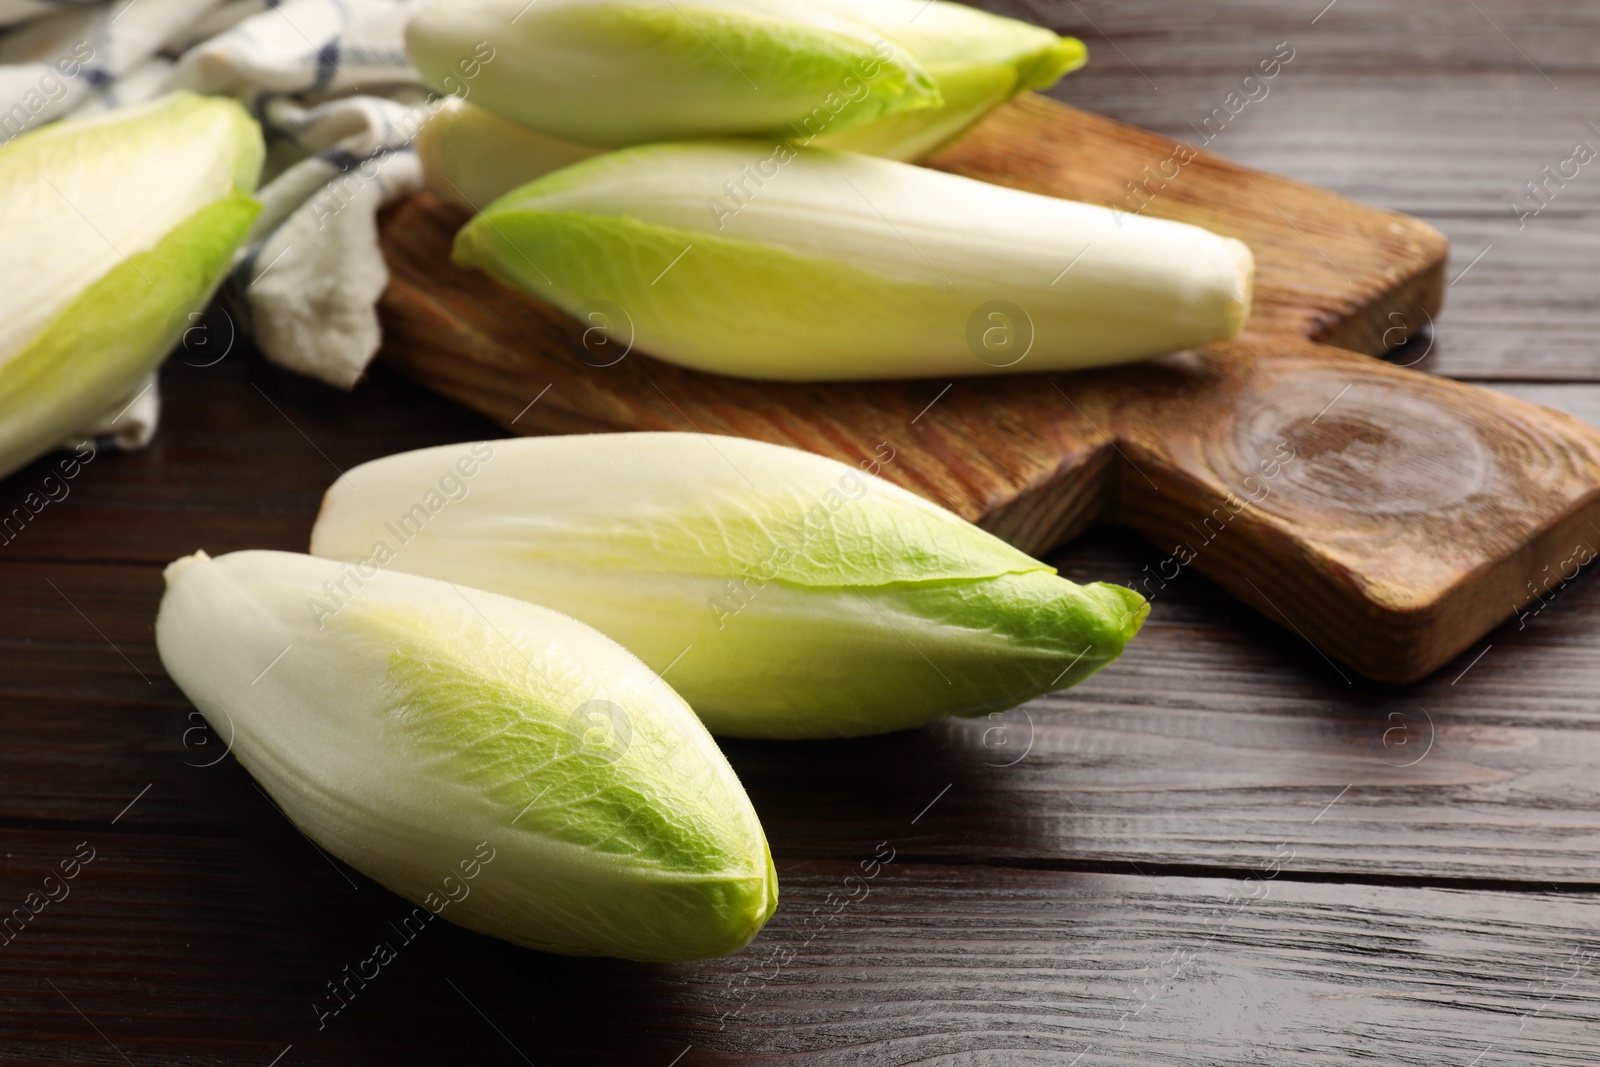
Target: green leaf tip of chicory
{"points": [[783, 594], [767, 261], [896, 78], [117, 227], [978, 60], [409, 726]]}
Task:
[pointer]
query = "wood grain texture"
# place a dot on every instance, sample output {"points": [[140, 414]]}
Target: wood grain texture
{"points": [[1217, 735], [1326, 269], [1412, 522], [1390, 518], [1366, 40], [1440, 109], [1013, 928], [1405, 142], [920, 964]]}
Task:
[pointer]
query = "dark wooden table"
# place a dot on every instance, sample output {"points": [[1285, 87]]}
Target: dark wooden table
{"points": [[1220, 851]]}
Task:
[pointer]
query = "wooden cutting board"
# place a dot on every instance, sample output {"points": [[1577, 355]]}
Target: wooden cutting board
{"points": [[1389, 517]]}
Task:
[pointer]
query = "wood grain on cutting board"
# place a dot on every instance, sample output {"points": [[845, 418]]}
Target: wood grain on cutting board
{"points": [[1389, 517]]}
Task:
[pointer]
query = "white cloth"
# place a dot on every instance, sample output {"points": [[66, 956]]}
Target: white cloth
{"points": [[339, 105], [313, 272], [130, 425], [52, 65]]}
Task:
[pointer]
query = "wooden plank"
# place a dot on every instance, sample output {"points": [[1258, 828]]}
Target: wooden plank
{"points": [[1399, 119], [1389, 518], [1411, 142], [1366, 38], [1407, 139], [1396, 621], [1582, 402], [1411, 524], [1280, 731], [1513, 316], [243, 456], [1327, 269], [191, 950], [231, 471], [206, 926], [1215, 736]]}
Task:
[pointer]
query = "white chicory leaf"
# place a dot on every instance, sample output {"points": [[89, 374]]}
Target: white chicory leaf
{"points": [[783, 594], [471, 157], [905, 75], [117, 228], [407, 724], [766, 261], [624, 72]]}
